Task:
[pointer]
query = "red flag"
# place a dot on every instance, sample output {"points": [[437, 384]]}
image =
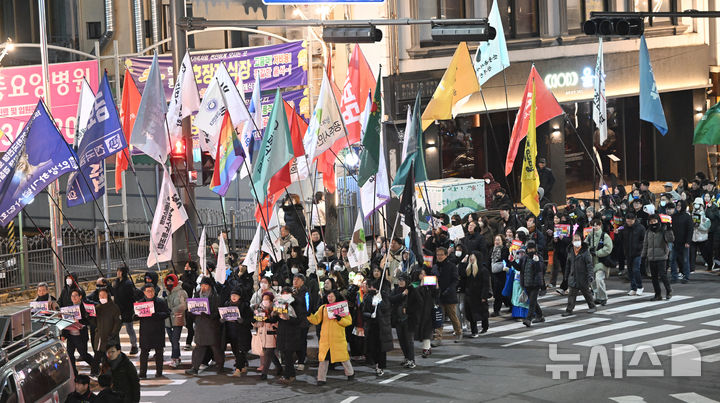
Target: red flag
{"points": [[359, 82], [547, 108], [282, 179], [128, 112]]}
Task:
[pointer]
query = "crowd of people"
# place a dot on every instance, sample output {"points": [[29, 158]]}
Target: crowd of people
{"points": [[499, 260]]}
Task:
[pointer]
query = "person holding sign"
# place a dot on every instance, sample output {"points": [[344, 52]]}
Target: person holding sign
{"points": [[267, 334], [208, 330], [428, 295], [289, 333], [152, 331], [332, 340], [561, 242], [77, 334], [237, 329], [177, 303], [44, 296]]}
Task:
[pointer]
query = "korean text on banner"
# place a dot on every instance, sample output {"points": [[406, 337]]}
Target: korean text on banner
{"points": [[20, 88], [279, 66]]}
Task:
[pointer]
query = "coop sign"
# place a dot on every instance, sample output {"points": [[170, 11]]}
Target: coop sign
{"points": [[569, 79]]}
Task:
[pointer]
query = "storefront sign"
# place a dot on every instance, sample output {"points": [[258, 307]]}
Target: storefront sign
{"points": [[279, 66], [570, 79], [21, 87]]}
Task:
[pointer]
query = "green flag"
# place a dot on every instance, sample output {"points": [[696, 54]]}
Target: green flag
{"points": [[415, 152], [370, 156], [275, 150], [708, 129]]}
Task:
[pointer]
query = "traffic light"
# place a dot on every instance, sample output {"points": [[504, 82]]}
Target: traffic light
{"points": [[620, 27], [475, 32], [359, 34]]}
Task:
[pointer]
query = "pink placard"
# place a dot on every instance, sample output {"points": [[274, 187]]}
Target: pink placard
{"points": [[21, 87]]}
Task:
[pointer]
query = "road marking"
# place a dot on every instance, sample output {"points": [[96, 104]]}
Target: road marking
{"points": [[713, 323], [627, 335], [561, 299], [445, 361], [699, 346], [350, 399], [641, 305], [556, 328], [675, 308], [162, 382], [696, 315], [595, 330], [153, 393], [711, 358], [692, 397], [671, 339], [394, 378], [516, 343], [519, 325]]}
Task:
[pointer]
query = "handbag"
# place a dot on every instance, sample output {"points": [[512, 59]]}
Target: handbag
{"points": [[608, 261], [437, 317], [523, 297]]}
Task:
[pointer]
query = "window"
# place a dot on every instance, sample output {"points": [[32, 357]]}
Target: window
{"points": [[520, 17], [441, 9], [8, 391], [43, 372], [578, 11], [655, 6], [94, 30]]}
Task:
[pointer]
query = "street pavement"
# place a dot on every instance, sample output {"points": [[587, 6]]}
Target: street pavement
{"points": [[631, 335]]}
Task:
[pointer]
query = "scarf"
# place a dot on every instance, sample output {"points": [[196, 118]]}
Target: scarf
{"points": [[496, 253]]}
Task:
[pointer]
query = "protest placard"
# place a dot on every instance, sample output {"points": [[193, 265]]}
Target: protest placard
{"points": [[144, 309], [260, 316], [456, 232], [665, 219], [90, 309], [338, 309], [562, 230], [197, 306], [39, 306], [71, 312], [229, 313], [429, 280]]}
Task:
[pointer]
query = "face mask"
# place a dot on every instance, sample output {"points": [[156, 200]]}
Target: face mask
{"points": [[69, 282], [169, 287], [103, 300], [654, 226], [339, 268], [458, 253], [663, 203], [577, 244], [531, 253], [379, 245], [582, 208], [295, 270], [263, 286]]}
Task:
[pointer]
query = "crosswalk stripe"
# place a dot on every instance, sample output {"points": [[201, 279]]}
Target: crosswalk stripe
{"points": [[162, 382], [551, 293], [693, 397], [627, 335], [699, 346], [712, 323], [556, 328], [580, 299], [671, 339], [519, 325], [675, 308], [696, 315], [588, 332], [641, 305], [153, 393], [711, 358]]}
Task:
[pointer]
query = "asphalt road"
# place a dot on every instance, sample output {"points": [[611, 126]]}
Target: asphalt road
{"points": [[512, 363]]}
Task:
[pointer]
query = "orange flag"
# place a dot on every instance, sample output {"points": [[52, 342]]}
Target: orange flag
{"points": [[128, 113], [282, 179], [547, 108]]}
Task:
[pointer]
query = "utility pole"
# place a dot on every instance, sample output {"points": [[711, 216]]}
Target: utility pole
{"points": [[179, 48], [54, 188]]}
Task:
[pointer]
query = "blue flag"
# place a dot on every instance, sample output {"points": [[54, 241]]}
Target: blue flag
{"points": [[103, 138], [37, 157], [651, 109]]}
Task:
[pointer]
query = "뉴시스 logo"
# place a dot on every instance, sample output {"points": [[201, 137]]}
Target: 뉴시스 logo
{"points": [[685, 361]]}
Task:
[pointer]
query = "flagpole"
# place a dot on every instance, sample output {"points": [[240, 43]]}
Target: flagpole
{"points": [[507, 115], [260, 207], [87, 183], [50, 242]]}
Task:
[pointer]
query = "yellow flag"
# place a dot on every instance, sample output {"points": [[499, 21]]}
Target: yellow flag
{"points": [[447, 94], [529, 178]]}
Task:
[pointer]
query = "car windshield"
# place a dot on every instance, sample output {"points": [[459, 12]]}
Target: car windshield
{"points": [[42, 372]]}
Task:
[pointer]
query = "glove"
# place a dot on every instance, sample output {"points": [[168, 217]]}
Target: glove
{"points": [[536, 258]]}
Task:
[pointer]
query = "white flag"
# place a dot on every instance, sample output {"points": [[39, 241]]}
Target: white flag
{"points": [[202, 252], [251, 259], [185, 98], [221, 95], [357, 250], [599, 101], [492, 56], [169, 216], [149, 133], [250, 133], [221, 268], [326, 126], [372, 196], [85, 108], [273, 232], [408, 134]]}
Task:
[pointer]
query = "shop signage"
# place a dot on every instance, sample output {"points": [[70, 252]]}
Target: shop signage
{"points": [[570, 79]]}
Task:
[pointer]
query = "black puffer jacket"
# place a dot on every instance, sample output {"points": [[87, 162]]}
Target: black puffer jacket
{"points": [[152, 328], [531, 272], [448, 280], [124, 291], [240, 330], [406, 308], [379, 328], [125, 379], [632, 239], [64, 299], [682, 227], [579, 267]]}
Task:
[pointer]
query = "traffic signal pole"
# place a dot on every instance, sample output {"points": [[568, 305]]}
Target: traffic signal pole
{"points": [[182, 243]]}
